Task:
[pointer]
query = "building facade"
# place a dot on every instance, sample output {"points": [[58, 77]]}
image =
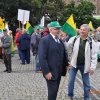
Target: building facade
{"points": [[95, 2]]}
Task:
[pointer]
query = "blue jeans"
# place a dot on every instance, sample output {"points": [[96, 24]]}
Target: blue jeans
{"points": [[85, 79], [38, 68]]}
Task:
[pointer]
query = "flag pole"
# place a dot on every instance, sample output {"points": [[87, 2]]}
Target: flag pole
{"points": [[19, 24], [22, 26], [23, 21]]}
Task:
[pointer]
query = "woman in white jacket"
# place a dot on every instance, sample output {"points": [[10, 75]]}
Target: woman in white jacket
{"points": [[83, 58]]}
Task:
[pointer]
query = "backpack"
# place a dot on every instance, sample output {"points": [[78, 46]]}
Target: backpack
{"points": [[89, 40]]}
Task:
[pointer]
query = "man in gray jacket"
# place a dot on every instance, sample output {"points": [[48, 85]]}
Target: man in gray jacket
{"points": [[6, 45], [84, 59]]}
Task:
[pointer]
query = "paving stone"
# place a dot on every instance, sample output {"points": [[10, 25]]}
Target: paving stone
{"points": [[24, 84]]}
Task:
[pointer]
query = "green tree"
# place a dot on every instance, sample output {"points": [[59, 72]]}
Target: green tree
{"points": [[54, 9], [70, 9], [83, 13], [37, 8]]}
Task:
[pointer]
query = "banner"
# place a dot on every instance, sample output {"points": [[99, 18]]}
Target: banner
{"points": [[23, 15]]}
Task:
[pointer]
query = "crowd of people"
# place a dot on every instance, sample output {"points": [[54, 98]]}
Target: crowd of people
{"points": [[55, 53]]}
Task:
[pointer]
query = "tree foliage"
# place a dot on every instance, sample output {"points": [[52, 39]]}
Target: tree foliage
{"points": [[83, 13], [54, 9]]}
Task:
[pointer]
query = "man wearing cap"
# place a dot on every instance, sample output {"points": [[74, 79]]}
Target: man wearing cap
{"points": [[35, 39], [6, 45], [52, 59]]}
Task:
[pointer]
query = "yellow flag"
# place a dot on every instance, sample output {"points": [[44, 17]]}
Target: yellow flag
{"points": [[71, 22], [91, 26], [1, 24], [29, 28], [1, 21], [70, 27], [28, 25], [12, 45], [75, 26]]}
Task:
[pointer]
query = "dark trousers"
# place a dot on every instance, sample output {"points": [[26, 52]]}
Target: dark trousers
{"points": [[25, 56], [7, 62], [53, 86], [0, 52], [19, 51]]}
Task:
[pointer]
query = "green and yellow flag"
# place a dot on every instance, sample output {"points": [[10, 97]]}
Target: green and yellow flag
{"points": [[70, 27], [29, 28], [12, 46], [91, 26]]}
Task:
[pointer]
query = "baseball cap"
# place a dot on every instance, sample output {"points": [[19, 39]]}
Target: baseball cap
{"points": [[4, 30], [37, 27], [54, 24]]}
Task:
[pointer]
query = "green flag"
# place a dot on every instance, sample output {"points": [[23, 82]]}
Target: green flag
{"points": [[29, 28], [70, 27]]}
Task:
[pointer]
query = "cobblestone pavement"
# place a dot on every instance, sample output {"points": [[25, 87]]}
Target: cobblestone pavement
{"points": [[24, 84]]}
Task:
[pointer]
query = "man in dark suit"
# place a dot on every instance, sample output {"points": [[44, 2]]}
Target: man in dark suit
{"points": [[52, 59]]}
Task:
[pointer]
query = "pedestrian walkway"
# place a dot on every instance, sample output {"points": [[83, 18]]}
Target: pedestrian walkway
{"points": [[24, 84]]}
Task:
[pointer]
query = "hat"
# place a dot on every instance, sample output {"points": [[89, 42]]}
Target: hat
{"points": [[41, 27], [4, 30], [37, 27], [54, 24]]}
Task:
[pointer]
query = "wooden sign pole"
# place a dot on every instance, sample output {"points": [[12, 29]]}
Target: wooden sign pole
{"points": [[19, 24], [23, 21]]}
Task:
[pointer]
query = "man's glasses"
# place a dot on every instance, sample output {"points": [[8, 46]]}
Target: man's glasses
{"points": [[56, 28]]}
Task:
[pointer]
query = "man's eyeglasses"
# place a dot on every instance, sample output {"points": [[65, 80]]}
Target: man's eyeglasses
{"points": [[56, 28]]}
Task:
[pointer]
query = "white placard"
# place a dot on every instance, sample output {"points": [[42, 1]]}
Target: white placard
{"points": [[20, 15], [23, 15], [26, 15]]}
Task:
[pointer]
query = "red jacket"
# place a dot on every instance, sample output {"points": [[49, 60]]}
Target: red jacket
{"points": [[18, 34]]}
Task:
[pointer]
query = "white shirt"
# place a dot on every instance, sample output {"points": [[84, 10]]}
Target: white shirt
{"points": [[56, 40]]}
